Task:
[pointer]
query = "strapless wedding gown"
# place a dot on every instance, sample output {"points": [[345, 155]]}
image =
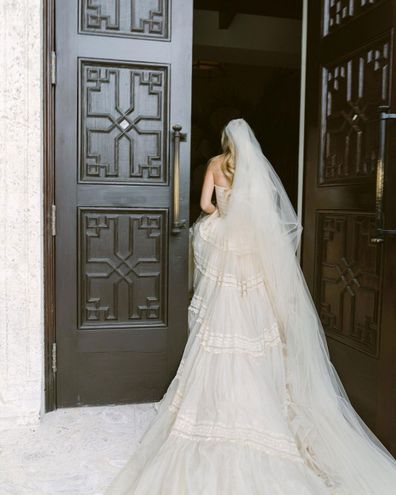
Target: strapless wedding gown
{"points": [[225, 425]]}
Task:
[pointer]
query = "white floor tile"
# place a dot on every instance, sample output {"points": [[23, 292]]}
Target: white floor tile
{"points": [[73, 451]]}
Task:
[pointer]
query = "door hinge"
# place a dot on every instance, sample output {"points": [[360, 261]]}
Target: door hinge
{"points": [[53, 220], [53, 68], [53, 358]]}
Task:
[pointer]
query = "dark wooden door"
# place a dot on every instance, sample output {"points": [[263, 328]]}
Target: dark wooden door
{"points": [[123, 82], [349, 264]]}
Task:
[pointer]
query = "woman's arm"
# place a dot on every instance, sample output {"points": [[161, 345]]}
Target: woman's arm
{"points": [[207, 191]]}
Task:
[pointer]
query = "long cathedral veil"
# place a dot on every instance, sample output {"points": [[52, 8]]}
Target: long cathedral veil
{"points": [[329, 431]]}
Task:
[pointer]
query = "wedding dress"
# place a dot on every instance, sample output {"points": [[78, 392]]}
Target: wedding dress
{"points": [[256, 407]]}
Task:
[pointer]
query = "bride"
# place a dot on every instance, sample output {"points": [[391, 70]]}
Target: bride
{"points": [[256, 406]]}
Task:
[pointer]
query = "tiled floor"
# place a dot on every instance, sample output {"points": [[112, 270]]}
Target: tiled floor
{"points": [[73, 451]]}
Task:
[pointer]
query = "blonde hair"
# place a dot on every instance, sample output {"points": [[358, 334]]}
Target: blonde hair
{"points": [[228, 164]]}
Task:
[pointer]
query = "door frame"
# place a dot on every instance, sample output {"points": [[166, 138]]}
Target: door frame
{"points": [[48, 109], [49, 85], [301, 142]]}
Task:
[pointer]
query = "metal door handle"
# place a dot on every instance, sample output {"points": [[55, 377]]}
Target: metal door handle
{"points": [[380, 232], [177, 224]]}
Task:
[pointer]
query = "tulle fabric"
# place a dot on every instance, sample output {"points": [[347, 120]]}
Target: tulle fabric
{"points": [[222, 426], [332, 437], [256, 406]]}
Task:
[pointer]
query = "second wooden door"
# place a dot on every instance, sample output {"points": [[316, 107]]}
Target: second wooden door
{"points": [[349, 263]]}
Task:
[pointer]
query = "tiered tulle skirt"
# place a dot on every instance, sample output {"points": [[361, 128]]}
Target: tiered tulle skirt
{"points": [[224, 425]]}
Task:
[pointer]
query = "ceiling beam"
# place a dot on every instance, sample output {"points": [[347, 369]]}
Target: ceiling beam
{"points": [[290, 9], [227, 12]]}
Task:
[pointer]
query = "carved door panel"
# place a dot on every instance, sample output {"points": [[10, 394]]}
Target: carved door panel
{"points": [[123, 81], [348, 265]]}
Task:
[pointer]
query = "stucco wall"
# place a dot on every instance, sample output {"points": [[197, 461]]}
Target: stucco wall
{"points": [[21, 294]]}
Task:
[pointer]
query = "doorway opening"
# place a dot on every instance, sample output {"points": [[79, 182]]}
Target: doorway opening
{"points": [[246, 63]]}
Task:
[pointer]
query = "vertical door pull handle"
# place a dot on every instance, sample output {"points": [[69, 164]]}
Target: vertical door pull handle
{"points": [[380, 232], [177, 223]]}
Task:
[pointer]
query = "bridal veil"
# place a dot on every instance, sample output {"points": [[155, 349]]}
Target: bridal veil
{"points": [[331, 434]]}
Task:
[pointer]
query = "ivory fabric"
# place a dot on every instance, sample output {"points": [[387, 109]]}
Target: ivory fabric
{"points": [[222, 426], [256, 406]]}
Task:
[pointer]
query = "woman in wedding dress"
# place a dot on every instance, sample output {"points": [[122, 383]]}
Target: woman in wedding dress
{"points": [[256, 407]]}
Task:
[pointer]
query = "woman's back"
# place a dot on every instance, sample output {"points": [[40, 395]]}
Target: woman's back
{"points": [[219, 176]]}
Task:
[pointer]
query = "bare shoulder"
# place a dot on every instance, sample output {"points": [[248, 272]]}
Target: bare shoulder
{"points": [[214, 163]]}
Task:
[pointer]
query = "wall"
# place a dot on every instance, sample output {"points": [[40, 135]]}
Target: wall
{"points": [[250, 39], [21, 287]]}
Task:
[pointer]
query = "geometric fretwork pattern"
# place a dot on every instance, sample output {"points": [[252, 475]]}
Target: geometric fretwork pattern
{"points": [[349, 279], [352, 91], [123, 122], [128, 18], [337, 13], [122, 267]]}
